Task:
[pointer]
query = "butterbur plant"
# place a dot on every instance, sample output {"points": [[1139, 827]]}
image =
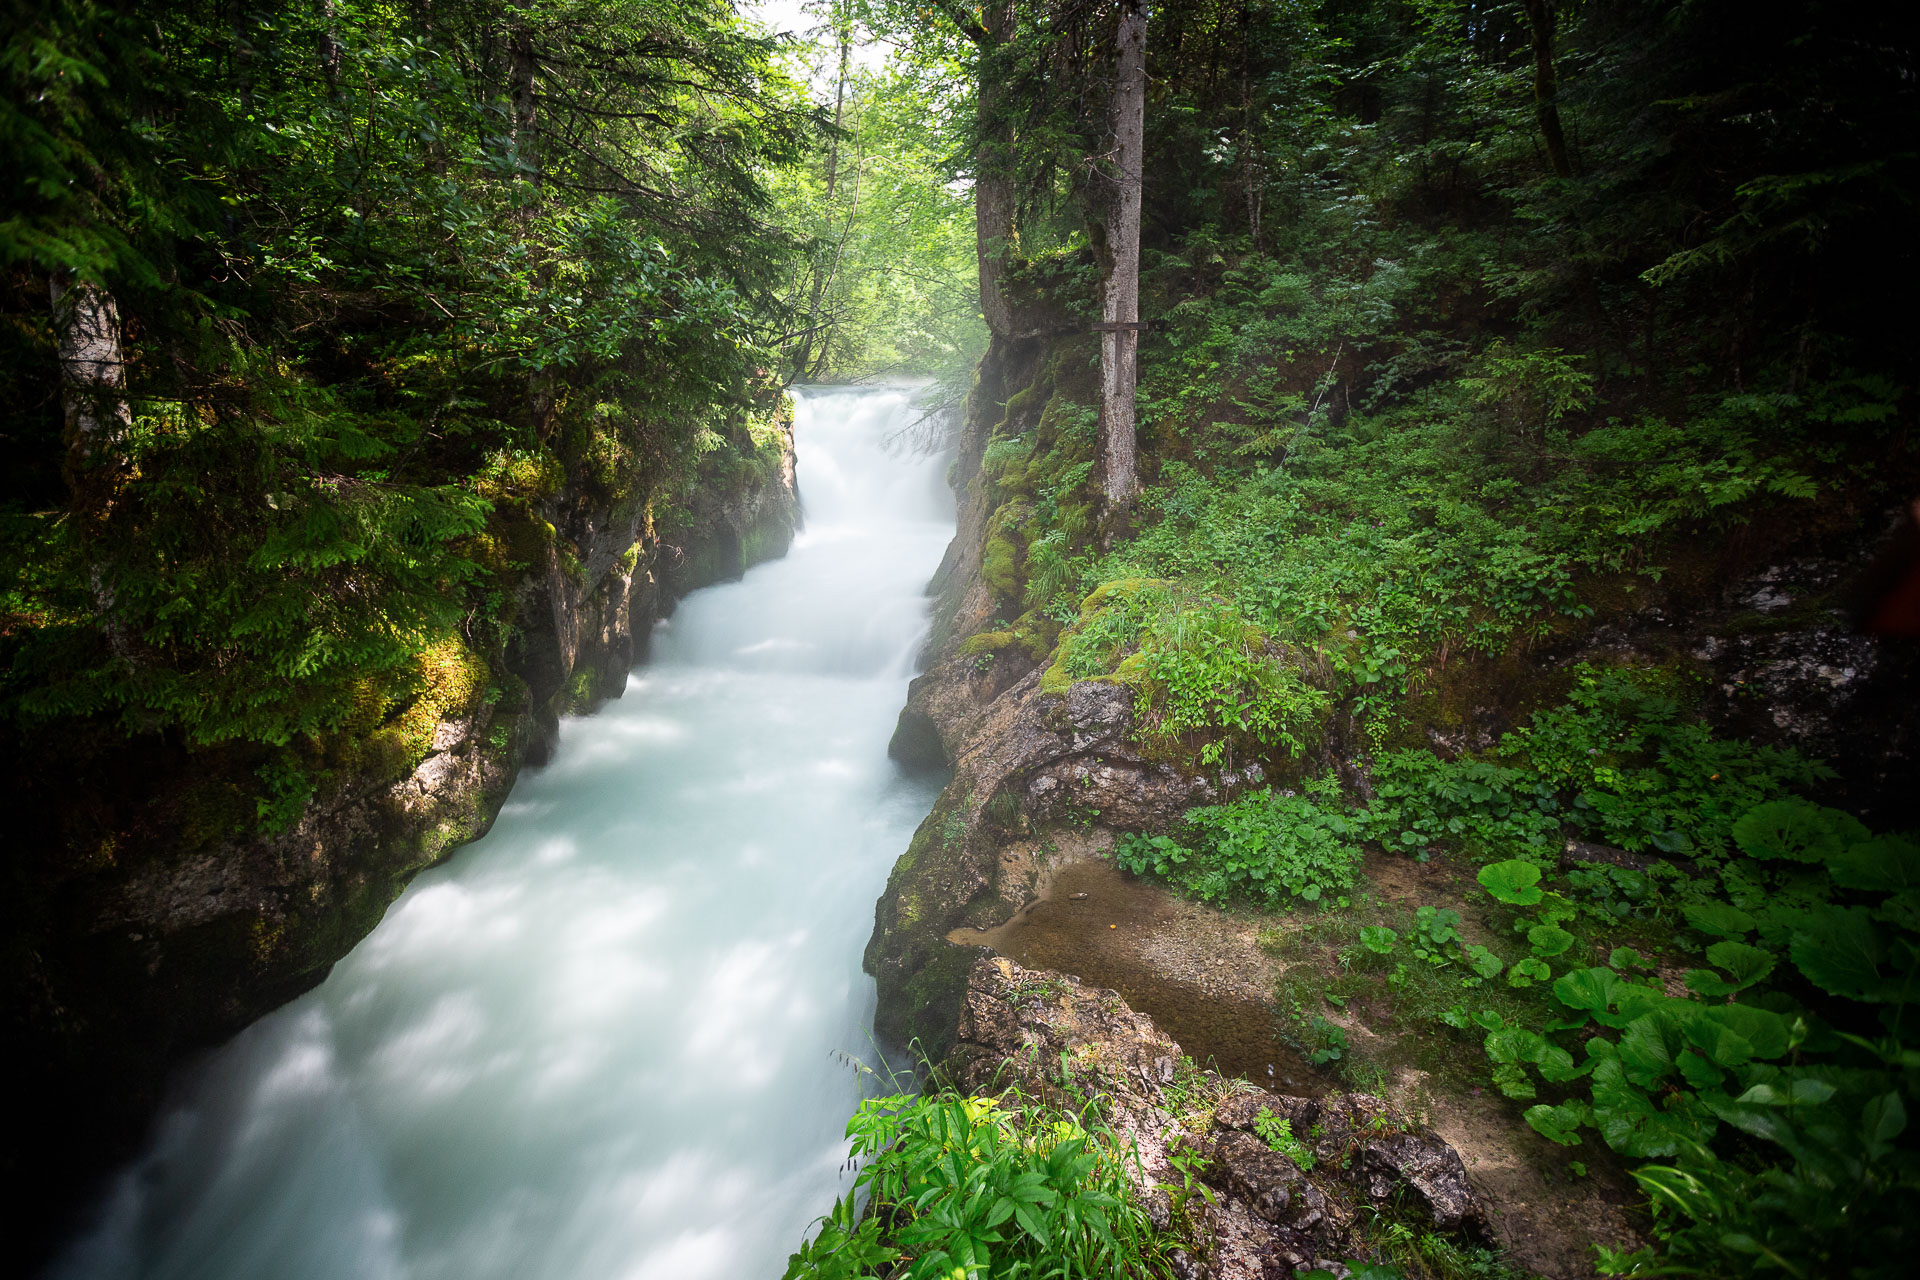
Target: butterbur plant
{"points": [[1795, 1032]]}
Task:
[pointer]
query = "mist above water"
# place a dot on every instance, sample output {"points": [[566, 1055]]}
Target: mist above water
{"points": [[604, 1040]]}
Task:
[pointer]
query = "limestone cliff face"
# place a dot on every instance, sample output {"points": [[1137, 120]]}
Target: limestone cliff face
{"points": [[166, 940]]}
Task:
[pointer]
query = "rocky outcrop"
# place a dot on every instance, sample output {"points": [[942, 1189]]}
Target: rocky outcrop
{"points": [[141, 928], [1271, 1211], [1022, 756]]}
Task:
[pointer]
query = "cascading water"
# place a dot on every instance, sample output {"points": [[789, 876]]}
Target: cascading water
{"points": [[604, 1041]]}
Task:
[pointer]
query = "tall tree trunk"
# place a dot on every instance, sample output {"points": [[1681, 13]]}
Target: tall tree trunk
{"points": [[1120, 305], [521, 66], [93, 395], [1540, 17], [329, 50], [993, 196], [1253, 175], [93, 391], [833, 174]]}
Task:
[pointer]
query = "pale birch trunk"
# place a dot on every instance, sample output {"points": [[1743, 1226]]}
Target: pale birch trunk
{"points": [[93, 388], [93, 396], [1120, 305]]}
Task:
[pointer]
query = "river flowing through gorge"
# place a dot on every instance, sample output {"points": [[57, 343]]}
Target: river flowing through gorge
{"points": [[609, 1039]]}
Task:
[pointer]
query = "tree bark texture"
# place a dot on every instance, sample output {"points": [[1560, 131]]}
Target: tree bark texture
{"points": [[1540, 18], [329, 49], [521, 66], [93, 390], [993, 194], [1120, 305]]}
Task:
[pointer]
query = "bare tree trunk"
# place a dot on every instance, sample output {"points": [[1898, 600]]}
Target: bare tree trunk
{"points": [[1253, 174], [329, 50], [1540, 17], [93, 390], [833, 175], [1120, 305], [93, 394], [993, 196], [521, 66]]}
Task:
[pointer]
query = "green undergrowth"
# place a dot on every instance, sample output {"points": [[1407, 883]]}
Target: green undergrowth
{"points": [[1344, 493], [959, 1187], [1720, 994]]}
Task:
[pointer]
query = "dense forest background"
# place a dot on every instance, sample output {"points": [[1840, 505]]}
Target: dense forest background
{"points": [[1473, 325]]}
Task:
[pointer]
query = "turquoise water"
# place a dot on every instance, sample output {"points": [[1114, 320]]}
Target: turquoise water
{"points": [[610, 1038]]}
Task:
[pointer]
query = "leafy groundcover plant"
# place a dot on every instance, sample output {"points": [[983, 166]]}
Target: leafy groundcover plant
{"points": [[961, 1187]]}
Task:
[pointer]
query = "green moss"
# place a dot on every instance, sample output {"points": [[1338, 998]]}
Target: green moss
{"points": [[987, 642], [999, 566], [931, 1000]]}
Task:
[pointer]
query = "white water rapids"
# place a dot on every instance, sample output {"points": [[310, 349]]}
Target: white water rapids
{"points": [[603, 1041]]}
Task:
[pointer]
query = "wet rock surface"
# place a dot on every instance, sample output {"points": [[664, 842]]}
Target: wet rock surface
{"points": [[1055, 1038], [1024, 757]]}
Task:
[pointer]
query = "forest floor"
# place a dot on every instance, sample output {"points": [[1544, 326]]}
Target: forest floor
{"points": [[1228, 985]]}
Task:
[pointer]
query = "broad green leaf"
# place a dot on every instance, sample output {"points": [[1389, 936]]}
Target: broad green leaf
{"points": [[1549, 940], [1515, 882], [1766, 1033], [1881, 1121], [1805, 1091], [1629, 1121], [1647, 1047], [1528, 971], [1587, 990], [1720, 919], [1698, 1071], [1484, 962], [1797, 831], [1842, 951], [1379, 939], [1889, 864], [1625, 958], [1559, 1124], [1747, 964]]}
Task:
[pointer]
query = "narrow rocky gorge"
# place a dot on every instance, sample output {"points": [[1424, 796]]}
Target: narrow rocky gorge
{"points": [[170, 936]]}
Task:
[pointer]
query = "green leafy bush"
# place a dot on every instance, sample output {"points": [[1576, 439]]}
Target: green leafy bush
{"points": [[1268, 848], [1277, 1133], [967, 1186]]}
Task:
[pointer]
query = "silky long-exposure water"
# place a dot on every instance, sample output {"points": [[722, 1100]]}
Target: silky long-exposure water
{"points": [[605, 1040]]}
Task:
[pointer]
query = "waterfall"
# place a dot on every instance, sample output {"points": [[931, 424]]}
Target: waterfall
{"points": [[610, 1039]]}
